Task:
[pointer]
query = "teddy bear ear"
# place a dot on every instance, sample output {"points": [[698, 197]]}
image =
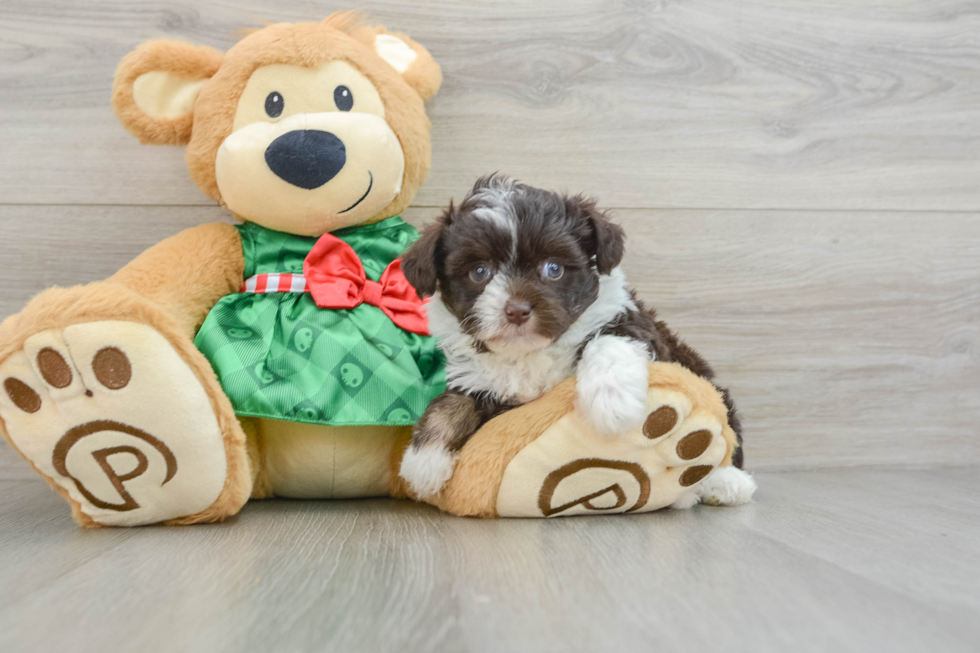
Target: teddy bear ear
{"points": [[156, 86], [408, 58]]}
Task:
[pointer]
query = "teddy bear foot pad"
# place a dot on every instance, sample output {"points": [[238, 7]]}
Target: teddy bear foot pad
{"points": [[110, 413], [570, 469]]}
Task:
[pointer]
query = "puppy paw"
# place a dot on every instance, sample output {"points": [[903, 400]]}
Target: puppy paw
{"points": [[686, 501], [727, 486], [427, 468], [611, 385]]}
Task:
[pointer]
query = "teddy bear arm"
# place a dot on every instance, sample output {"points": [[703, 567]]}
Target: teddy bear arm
{"points": [[186, 274]]}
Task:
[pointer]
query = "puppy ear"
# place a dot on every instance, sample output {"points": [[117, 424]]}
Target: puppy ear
{"points": [[420, 262], [605, 240], [156, 86]]}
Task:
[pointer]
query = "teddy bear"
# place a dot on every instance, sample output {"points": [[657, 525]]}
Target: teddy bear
{"points": [[287, 356]]}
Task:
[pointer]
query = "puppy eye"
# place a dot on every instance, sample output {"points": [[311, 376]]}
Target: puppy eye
{"points": [[274, 104], [552, 270], [342, 98], [480, 273]]}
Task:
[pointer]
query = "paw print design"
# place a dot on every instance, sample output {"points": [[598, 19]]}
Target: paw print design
{"points": [[112, 414], [660, 463]]}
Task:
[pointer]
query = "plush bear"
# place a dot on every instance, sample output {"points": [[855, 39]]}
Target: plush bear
{"points": [[287, 355]]}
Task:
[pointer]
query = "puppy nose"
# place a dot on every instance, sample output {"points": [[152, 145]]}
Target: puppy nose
{"points": [[517, 312], [307, 158]]}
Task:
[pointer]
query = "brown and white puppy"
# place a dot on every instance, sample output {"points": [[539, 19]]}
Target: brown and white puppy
{"points": [[528, 292]]}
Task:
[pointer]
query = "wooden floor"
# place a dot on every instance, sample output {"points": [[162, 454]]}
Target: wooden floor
{"points": [[857, 560]]}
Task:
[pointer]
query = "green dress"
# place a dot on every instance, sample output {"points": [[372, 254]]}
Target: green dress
{"points": [[280, 356]]}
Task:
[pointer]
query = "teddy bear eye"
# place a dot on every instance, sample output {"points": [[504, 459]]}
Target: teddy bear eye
{"points": [[343, 98], [274, 104]]}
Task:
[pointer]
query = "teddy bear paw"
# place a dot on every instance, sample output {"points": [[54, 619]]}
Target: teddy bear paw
{"points": [[111, 413], [676, 448]]}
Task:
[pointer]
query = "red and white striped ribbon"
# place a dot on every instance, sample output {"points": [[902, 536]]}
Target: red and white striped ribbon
{"points": [[275, 282]]}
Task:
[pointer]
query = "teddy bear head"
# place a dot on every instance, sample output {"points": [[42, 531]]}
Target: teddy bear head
{"points": [[303, 128]]}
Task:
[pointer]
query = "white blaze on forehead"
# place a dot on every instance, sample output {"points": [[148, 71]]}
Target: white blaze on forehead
{"points": [[500, 216], [496, 207]]}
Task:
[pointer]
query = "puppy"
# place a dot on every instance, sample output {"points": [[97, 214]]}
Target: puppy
{"points": [[527, 291]]}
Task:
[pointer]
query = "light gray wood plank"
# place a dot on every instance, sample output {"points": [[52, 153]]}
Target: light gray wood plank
{"points": [[705, 103], [12, 467], [845, 341], [382, 575], [48, 246], [41, 542], [932, 512]]}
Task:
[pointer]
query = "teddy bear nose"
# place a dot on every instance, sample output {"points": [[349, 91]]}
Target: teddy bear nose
{"points": [[307, 158]]}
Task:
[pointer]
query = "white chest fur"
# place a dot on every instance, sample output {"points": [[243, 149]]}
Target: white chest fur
{"points": [[519, 378]]}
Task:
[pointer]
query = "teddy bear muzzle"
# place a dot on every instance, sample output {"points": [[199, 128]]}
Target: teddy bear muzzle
{"points": [[310, 173], [306, 158]]}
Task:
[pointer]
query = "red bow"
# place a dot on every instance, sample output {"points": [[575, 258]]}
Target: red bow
{"points": [[336, 279]]}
